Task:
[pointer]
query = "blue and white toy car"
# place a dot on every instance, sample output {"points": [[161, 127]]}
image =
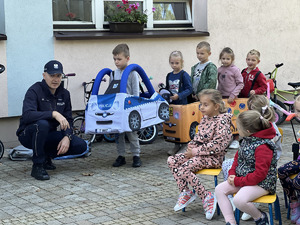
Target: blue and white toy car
{"points": [[120, 112]]}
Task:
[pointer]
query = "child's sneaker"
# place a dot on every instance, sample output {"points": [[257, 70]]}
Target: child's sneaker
{"points": [[263, 220], [234, 144], [209, 205], [185, 198], [246, 216], [295, 211]]}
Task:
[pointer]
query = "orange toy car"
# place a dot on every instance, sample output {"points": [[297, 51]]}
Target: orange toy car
{"points": [[184, 119]]}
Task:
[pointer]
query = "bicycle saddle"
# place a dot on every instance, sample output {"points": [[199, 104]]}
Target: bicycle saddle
{"points": [[294, 85], [2, 68]]}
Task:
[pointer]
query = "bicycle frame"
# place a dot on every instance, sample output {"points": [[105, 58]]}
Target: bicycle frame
{"points": [[278, 91]]}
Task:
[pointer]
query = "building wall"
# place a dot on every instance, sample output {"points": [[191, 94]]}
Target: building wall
{"points": [[272, 27]]}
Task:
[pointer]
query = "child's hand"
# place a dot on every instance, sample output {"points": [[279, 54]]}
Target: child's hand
{"points": [[174, 97], [195, 97], [188, 154], [230, 100], [252, 92], [230, 180]]}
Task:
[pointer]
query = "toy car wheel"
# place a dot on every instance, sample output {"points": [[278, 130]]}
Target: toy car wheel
{"points": [[134, 120], [163, 111], [193, 129], [109, 137], [1, 149]]}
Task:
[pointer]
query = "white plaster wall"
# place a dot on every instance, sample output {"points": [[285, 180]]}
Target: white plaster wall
{"points": [[87, 58], [272, 27]]}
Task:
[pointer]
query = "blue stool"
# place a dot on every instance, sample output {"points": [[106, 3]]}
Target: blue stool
{"points": [[269, 199]]}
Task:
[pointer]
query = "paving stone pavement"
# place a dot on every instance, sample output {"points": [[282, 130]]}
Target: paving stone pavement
{"points": [[89, 190]]}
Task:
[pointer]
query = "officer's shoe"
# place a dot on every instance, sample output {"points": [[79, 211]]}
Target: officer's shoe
{"points": [[48, 165], [39, 173]]}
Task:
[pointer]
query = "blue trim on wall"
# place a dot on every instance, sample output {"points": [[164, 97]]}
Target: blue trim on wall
{"points": [[29, 30]]}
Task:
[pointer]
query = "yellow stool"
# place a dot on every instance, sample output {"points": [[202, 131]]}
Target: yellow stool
{"points": [[211, 172], [267, 199], [281, 132]]}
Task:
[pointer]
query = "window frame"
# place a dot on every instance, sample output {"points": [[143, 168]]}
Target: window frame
{"points": [[98, 22]]}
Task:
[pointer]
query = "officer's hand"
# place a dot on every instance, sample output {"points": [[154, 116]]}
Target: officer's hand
{"points": [[63, 122], [63, 146]]}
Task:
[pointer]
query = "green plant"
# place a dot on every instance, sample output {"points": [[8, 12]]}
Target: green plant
{"points": [[125, 12]]}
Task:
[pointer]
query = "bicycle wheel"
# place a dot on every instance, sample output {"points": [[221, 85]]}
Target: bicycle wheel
{"points": [[279, 116], [1, 149], [147, 135], [79, 129], [109, 137]]}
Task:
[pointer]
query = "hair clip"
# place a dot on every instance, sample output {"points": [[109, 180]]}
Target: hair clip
{"points": [[263, 109]]}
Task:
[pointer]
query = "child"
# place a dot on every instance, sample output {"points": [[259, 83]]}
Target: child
{"points": [[204, 73], [261, 104], [178, 82], [254, 81], [292, 186], [230, 82], [121, 58], [253, 173], [206, 150]]}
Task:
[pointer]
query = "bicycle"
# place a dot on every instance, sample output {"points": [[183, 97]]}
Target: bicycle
{"points": [[145, 135], [2, 69], [282, 113]]}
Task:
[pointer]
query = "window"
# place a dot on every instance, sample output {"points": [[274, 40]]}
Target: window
{"points": [[93, 13], [170, 13], [72, 11]]}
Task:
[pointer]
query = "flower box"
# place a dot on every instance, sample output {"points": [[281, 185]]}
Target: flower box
{"points": [[126, 27]]}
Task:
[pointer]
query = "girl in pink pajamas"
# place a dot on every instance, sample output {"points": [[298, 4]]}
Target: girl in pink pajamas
{"points": [[206, 150]]}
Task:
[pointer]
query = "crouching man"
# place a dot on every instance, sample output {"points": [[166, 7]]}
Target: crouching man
{"points": [[47, 106]]}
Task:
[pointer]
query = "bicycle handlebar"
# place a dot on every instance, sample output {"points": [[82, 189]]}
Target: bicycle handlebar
{"points": [[279, 65]]}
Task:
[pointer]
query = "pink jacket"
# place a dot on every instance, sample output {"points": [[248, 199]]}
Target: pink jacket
{"points": [[230, 81], [213, 136]]}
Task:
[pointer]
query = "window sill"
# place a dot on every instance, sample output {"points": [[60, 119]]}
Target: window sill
{"points": [[88, 35], [3, 37]]}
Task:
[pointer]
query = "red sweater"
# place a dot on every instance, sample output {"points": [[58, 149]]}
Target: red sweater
{"points": [[263, 158], [260, 85]]}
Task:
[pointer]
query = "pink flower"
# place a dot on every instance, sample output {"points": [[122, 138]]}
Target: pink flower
{"points": [[137, 4], [125, 1], [128, 10], [71, 15], [153, 9], [119, 6]]}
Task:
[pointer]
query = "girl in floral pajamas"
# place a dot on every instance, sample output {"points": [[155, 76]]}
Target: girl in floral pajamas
{"points": [[206, 150]]}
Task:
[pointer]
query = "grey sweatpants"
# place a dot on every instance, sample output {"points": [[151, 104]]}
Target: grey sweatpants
{"points": [[134, 143]]}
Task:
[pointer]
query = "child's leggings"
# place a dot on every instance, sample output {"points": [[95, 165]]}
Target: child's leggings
{"points": [[290, 186], [183, 171], [242, 200]]}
